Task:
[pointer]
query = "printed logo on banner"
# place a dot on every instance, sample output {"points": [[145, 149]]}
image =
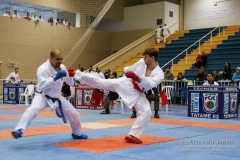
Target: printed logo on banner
{"points": [[210, 102], [79, 97], [20, 91], [5, 94], [233, 102], [194, 102], [226, 103], [12, 93], [87, 97]]}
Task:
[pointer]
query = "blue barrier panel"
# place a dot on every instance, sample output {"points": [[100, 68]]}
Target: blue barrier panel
{"points": [[217, 102], [12, 91]]}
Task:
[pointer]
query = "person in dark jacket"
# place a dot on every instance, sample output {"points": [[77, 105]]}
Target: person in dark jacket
{"points": [[66, 91], [200, 77], [215, 76], [110, 96], [227, 71], [204, 59]]}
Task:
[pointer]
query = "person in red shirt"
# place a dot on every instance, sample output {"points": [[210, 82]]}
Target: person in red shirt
{"points": [[198, 63]]}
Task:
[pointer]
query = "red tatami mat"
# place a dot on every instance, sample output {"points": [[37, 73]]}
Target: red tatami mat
{"points": [[108, 144]]}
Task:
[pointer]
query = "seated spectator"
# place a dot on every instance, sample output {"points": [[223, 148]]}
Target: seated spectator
{"points": [[200, 77], [61, 22], [12, 80], [198, 62], [204, 59], [57, 21], [99, 74], [168, 75], [106, 73], [90, 70], [180, 80], [27, 16], [66, 92], [110, 96], [210, 80], [227, 71], [15, 14], [35, 18], [50, 20], [15, 75], [41, 19], [7, 14], [215, 76], [65, 22], [82, 69], [232, 83], [236, 75]]}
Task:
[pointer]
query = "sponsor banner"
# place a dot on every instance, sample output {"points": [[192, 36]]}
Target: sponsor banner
{"points": [[233, 102], [84, 98], [226, 103], [12, 93], [219, 102], [5, 94], [210, 102], [87, 96], [79, 97], [194, 102]]}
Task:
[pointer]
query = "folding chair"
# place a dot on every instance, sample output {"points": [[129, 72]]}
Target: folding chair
{"points": [[28, 93]]}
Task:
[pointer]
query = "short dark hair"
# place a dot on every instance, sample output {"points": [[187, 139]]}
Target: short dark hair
{"points": [[114, 73], [210, 73], [16, 68], [151, 52], [180, 73]]}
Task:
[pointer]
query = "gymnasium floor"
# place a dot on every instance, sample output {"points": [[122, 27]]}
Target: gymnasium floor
{"points": [[172, 137]]}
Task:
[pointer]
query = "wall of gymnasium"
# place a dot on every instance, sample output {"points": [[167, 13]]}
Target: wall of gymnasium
{"points": [[28, 45], [145, 17], [211, 13]]}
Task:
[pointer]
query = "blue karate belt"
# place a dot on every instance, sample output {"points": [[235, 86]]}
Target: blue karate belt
{"points": [[61, 115]]}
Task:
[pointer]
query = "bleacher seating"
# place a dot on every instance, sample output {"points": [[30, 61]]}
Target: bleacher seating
{"points": [[177, 46], [228, 51]]}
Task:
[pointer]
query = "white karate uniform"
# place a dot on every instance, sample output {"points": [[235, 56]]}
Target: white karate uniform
{"points": [[15, 75], [158, 34], [165, 33], [209, 84], [16, 16], [100, 75], [48, 86], [130, 96]]}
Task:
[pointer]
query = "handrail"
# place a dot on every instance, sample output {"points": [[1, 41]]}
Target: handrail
{"points": [[198, 41], [172, 25], [127, 48]]}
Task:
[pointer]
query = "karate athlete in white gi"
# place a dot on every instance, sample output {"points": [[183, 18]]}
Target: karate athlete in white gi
{"points": [[140, 77], [51, 76], [159, 34], [166, 31]]}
